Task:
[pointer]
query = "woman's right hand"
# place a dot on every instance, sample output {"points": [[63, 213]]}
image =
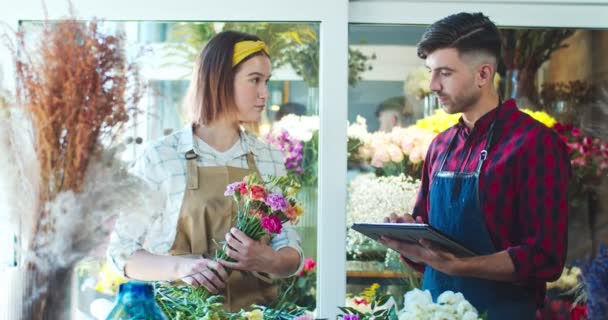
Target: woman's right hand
{"points": [[201, 272], [402, 218]]}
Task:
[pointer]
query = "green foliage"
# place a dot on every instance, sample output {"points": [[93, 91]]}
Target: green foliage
{"points": [[301, 290], [189, 303], [295, 44]]}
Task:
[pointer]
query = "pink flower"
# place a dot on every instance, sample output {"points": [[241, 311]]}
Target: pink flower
{"points": [[257, 192], [309, 265], [272, 224], [395, 153], [575, 132], [380, 157], [291, 213], [236, 186], [242, 189], [587, 140]]}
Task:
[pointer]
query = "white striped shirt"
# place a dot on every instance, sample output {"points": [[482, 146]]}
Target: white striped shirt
{"points": [[164, 167]]}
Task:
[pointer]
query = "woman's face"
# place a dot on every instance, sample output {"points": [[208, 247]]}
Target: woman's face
{"points": [[250, 88]]}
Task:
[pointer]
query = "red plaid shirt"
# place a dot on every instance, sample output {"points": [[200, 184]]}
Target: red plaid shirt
{"points": [[522, 189]]}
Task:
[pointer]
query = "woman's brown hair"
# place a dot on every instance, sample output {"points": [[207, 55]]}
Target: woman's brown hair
{"points": [[211, 92]]}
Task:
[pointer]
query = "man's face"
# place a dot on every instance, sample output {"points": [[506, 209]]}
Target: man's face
{"points": [[452, 80]]}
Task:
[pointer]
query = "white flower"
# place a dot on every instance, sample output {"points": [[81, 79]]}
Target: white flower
{"points": [[395, 153], [416, 297], [470, 315], [465, 307], [358, 130], [372, 198], [419, 305], [299, 127], [449, 297], [443, 315]]}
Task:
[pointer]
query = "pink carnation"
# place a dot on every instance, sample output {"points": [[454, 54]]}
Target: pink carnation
{"points": [[272, 224]]}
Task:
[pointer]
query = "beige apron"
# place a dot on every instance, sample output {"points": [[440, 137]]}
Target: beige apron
{"points": [[206, 216]]}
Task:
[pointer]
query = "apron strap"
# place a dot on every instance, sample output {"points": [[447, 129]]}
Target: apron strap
{"points": [[192, 172], [483, 154], [251, 161]]}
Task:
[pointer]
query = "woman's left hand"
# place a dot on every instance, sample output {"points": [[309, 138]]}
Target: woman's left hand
{"points": [[250, 255]]}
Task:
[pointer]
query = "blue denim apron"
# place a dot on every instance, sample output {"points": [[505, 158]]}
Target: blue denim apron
{"points": [[456, 211]]}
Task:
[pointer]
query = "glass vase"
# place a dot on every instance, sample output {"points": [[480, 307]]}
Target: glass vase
{"points": [[135, 300]]}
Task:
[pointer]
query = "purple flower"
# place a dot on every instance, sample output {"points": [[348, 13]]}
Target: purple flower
{"points": [[351, 317], [231, 188], [276, 201], [292, 150]]}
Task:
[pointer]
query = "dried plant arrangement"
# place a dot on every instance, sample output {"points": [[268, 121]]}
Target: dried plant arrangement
{"points": [[64, 184]]}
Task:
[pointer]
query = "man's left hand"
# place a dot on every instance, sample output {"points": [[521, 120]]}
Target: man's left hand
{"points": [[427, 252]]}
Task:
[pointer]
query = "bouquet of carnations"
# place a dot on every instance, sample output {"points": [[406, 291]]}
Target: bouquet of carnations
{"points": [[263, 207]]}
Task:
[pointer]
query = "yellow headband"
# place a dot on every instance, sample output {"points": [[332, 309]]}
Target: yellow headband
{"points": [[244, 49]]}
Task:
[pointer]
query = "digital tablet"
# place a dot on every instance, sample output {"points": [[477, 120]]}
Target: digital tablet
{"points": [[412, 233]]}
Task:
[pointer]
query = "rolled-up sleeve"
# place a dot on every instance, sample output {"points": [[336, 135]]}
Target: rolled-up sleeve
{"points": [[543, 201], [131, 228], [289, 238]]}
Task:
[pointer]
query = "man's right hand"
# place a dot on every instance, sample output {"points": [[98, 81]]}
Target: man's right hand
{"points": [[199, 272], [402, 218]]}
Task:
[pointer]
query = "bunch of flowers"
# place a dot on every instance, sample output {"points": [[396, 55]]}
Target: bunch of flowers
{"points": [[401, 150], [291, 148], [589, 159], [372, 198], [298, 138], [369, 304], [263, 207], [438, 122], [419, 305]]}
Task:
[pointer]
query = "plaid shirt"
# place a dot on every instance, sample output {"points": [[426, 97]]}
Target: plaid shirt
{"points": [[522, 189], [164, 167]]}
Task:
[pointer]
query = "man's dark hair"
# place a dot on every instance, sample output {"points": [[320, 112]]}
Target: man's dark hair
{"points": [[465, 32]]}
